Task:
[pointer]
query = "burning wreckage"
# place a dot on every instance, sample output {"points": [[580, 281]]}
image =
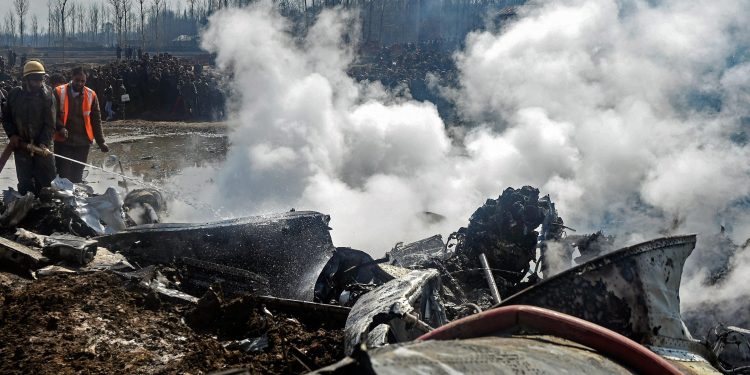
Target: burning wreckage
{"points": [[273, 294]]}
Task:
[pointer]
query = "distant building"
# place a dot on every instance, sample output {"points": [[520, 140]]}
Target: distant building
{"points": [[185, 41]]}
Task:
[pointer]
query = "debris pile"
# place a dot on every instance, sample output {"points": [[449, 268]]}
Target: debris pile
{"points": [[503, 229], [273, 294], [99, 323]]}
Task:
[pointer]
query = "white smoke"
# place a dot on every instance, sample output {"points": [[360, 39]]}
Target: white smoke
{"points": [[615, 77], [645, 99], [628, 113], [307, 136]]}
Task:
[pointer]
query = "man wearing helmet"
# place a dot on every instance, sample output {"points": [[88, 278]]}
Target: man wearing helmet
{"points": [[29, 117]]}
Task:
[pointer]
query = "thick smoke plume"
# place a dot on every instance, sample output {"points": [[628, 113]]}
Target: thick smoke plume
{"points": [[307, 136], [632, 115], [648, 102]]}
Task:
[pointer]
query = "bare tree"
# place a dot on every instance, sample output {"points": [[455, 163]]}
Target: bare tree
{"points": [[50, 13], [104, 16], [117, 14], [61, 12], [6, 31], [143, 23], [35, 29], [156, 11], [108, 24], [192, 9], [10, 27], [81, 24], [94, 21], [72, 17], [128, 14], [22, 8]]}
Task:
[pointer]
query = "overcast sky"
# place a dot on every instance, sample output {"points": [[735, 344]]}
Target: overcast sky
{"points": [[39, 7]]}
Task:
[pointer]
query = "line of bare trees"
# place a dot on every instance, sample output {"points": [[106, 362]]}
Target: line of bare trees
{"points": [[153, 23], [141, 23]]}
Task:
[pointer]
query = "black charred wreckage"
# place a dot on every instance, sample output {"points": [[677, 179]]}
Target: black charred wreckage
{"points": [[498, 296]]}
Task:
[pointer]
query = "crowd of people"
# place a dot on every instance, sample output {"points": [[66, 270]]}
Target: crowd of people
{"points": [[408, 66], [164, 87], [130, 52], [9, 61], [404, 64], [158, 87]]}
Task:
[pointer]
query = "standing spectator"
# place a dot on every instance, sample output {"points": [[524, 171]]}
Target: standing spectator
{"points": [[78, 125], [56, 79], [108, 93], [189, 96], [11, 59], [122, 98]]}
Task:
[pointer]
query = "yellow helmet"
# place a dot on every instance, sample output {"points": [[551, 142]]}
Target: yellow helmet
{"points": [[33, 67]]}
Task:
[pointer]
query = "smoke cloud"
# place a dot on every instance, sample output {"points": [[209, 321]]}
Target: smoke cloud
{"points": [[648, 102], [307, 136], [632, 115]]}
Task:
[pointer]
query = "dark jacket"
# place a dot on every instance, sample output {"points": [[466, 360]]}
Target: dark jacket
{"points": [[30, 116]]}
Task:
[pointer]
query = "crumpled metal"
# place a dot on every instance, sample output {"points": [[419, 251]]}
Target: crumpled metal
{"points": [[93, 210]]}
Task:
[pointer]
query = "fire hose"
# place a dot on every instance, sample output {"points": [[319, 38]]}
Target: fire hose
{"points": [[505, 319]]}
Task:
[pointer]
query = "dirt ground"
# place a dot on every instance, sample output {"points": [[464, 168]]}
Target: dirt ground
{"points": [[101, 323]]}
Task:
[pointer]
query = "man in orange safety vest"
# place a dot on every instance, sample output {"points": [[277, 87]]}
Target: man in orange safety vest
{"points": [[79, 123]]}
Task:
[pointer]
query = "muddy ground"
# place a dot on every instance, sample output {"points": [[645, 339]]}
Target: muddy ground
{"points": [[101, 323], [150, 150]]}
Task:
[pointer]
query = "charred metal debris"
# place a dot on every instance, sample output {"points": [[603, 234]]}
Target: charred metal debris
{"points": [[234, 275]]}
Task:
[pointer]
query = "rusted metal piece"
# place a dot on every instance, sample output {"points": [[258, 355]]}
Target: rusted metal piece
{"points": [[633, 291], [490, 279], [290, 249]]}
